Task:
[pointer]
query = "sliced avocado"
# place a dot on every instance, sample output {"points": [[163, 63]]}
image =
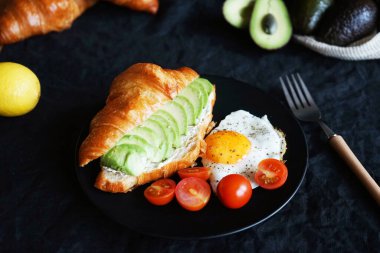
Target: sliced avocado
{"points": [[173, 135], [160, 132], [189, 108], [127, 158], [147, 134], [205, 83], [152, 137], [203, 93], [179, 114], [270, 25], [238, 12], [150, 150], [348, 21], [194, 96], [307, 14], [173, 125]]}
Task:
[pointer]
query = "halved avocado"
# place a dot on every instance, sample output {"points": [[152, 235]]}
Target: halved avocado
{"points": [[270, 25], [238, 12]]}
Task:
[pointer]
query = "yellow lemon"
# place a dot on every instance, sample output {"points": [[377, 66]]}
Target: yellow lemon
{"points": [[19, 89]]}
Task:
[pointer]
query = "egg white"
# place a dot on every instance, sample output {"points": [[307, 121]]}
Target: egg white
{"points": [[266, 142]]}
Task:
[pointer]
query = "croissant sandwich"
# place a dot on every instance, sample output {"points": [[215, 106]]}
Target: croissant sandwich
{"points": [[20, 19], [152, 125]]}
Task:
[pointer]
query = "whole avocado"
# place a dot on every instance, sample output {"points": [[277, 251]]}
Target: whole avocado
{"points": [[306, 14], [348, 21]]}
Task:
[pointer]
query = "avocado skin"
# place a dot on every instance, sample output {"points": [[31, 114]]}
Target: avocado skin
{"points": [[347, 21], [306, 14]]}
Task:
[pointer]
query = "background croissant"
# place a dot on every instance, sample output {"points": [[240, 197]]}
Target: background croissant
{"points": [[20, 19]]}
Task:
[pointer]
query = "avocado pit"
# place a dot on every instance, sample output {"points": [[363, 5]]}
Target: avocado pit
{"points": [[269, 24]]}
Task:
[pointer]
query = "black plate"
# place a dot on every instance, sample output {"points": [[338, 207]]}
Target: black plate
{"points": [[171, 221]]}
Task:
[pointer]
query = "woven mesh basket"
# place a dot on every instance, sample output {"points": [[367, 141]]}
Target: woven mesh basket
{"points": [[365, 49]]}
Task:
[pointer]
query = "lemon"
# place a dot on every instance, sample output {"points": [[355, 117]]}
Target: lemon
{"points": [[19, 89]]}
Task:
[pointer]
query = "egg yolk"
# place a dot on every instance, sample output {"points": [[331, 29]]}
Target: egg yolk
{"points": [[226, 147]]}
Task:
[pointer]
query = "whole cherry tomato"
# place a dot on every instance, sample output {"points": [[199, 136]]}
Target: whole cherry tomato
{"points": [[234, 191]]}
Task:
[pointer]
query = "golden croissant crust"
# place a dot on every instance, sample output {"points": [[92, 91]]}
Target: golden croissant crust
{"points": [[20, 19], [134, 95]]}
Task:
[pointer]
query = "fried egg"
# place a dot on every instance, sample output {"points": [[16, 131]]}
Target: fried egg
{"points": [[239, 143]]}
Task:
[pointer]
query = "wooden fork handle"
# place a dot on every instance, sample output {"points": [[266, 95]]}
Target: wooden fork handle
{"points": [[341, 147]]}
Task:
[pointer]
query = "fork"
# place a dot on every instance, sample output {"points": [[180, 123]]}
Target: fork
{"points": [[305, 109]]}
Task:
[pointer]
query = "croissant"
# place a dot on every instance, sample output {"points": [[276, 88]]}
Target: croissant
{"points": [[150, 6], [134, 96], [20, 19]]}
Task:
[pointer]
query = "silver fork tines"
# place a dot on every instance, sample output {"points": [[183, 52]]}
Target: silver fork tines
{"points": [[299, 92], [301, 102], [306, 91], [302, 97]]}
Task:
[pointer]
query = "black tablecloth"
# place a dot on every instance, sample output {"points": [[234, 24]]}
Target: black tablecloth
{"points": [[42, 207]]}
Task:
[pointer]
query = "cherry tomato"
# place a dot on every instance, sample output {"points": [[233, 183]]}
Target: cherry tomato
{"points": [[160, 192], [271, 174], [234, 191], [193, 193], [201, 172]]}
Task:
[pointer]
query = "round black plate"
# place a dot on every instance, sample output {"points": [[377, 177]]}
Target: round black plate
{"points": [[171, 221]]}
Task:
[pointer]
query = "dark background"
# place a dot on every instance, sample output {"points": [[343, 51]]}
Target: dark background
{"points": [[42, 207]]}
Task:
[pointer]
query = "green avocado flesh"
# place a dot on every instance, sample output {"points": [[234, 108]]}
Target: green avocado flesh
{"points": [[156, 138], [270, 25], [124, 158], [238, 12]]}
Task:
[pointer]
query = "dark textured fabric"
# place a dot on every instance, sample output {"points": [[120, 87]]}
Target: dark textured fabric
{"points": [[42, 208]]}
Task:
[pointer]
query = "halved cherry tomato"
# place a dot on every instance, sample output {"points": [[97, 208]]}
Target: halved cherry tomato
{"points": [[234, 191], [160, 192], [201, 172], [193, 193], [271, 174]]}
